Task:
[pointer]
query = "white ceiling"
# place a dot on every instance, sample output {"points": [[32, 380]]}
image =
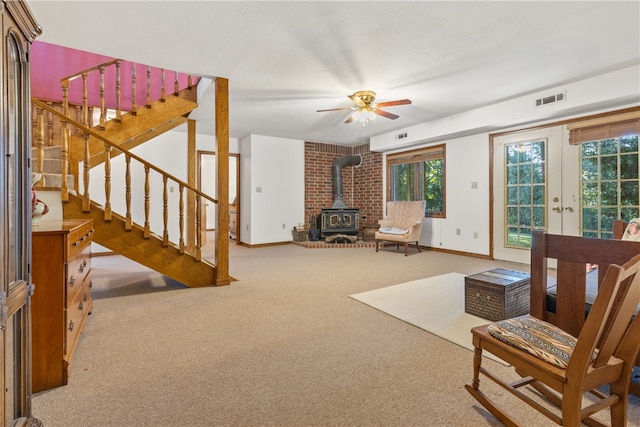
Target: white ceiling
{"points": [[285, 60]]}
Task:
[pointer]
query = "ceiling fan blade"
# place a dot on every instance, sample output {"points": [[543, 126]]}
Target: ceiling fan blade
{"points": [[392, 103], [349, 120], [333, 109], [358, 101], [385, 114]]}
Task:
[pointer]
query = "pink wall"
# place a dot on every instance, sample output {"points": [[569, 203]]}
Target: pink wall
{"points": [[50, 63]]}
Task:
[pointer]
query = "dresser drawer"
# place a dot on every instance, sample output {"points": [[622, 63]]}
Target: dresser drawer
{"points": [[79, 239], [75, 316], [77, 270]]}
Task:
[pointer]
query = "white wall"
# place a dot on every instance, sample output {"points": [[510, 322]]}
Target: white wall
{"points": [[272, 188]]}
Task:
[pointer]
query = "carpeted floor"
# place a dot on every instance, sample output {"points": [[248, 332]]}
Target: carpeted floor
{"points": [[285, 345], [435, 304]]}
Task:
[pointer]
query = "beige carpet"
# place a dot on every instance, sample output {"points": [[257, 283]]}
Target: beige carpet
{"points": [[284, 346], [435, 304]]}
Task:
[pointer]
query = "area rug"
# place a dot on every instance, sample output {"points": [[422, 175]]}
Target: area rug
{"points": [[435, 304]]}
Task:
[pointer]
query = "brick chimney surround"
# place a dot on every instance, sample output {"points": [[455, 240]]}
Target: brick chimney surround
{"points": [[362, 185]]}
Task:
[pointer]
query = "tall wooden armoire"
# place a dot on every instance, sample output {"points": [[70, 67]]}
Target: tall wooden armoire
{"points": [[19, 29]]}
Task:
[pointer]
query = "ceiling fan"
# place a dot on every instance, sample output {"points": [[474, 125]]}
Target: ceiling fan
{"points": [[365, 109]]}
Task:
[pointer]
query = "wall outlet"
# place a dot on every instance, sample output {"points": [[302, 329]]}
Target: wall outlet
{"points": [[475, 234], [284, 227], [458, 231], [474, 185]]}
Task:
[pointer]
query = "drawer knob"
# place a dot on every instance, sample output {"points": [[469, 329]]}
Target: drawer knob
{"points": [[71, 326]]}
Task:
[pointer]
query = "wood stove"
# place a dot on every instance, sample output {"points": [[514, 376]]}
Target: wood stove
{"points": [[339, 221]]}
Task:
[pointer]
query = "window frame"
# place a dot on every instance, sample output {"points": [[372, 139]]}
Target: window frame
{"points": [[419, 157]]}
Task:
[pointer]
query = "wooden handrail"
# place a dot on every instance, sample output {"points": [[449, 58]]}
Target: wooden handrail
{"points": [[88, 70], [94, 134]]}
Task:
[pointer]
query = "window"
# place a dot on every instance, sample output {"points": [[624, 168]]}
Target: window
{"points": [[610, 184], [609, 170], [419, 175]]}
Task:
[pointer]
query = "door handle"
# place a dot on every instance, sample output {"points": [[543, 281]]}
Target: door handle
{"points": [[568, 208], [557, 209]]}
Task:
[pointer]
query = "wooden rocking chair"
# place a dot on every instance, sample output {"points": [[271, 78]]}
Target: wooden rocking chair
{"points": [[562, 368]]}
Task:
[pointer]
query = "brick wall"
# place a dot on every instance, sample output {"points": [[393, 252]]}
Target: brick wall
{"points": [[361, 185]]}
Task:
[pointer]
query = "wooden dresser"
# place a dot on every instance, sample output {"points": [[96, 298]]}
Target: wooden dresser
{"points": [[62, 298]]}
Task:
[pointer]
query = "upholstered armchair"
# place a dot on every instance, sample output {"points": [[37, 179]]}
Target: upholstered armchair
{"points": [[402, 224]]}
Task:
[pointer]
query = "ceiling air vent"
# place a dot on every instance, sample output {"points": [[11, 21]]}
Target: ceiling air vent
{"points": [[551, 99]]}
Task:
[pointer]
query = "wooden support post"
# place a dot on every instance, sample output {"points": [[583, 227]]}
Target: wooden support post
{"points": [[191, 180], [222, 156]]}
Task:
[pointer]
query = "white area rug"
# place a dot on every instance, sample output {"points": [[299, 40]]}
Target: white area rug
{"points": [[435, 304]]}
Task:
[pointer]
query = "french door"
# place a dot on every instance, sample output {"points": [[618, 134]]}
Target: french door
{"points": [[536, 184]]}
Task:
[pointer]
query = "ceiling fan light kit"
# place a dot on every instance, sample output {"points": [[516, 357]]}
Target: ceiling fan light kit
{"points": [[365, 110], [364, 114]]}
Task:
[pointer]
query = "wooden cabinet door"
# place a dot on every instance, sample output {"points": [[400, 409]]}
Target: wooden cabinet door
{"points": [[18, 30]]}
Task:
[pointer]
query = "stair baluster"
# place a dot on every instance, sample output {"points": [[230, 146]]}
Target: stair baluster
{"points": [[118, 117], [85, 100], [103, 108], [181, 245], [65, 133], [49, 141], [163, 94], [107, 182], [148, 104], [165, 212], [86, 169], [198, 254], [40, 145], [134, 93], [127, 189], [147, 228]]}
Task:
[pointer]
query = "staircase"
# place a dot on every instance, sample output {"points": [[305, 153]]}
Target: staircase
{"points": [[67, 166]]}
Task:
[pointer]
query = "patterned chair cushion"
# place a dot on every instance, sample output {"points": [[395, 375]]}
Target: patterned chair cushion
{"points": [[536, 337]]}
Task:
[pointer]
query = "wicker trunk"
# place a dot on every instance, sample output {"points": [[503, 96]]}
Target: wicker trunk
{"points": [[497, 294]]}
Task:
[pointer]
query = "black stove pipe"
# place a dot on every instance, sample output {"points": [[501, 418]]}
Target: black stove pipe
{"points": [[336, 176]]}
